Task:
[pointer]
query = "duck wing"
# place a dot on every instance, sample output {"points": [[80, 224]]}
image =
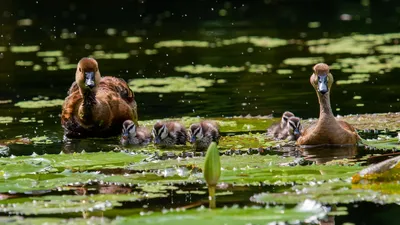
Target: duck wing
{"points": [[119, 86]]}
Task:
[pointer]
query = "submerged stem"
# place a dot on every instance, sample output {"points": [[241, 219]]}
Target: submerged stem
{"points": [[211, 197]]}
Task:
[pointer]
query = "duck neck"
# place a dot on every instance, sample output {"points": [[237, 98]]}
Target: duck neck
{"points": [[325, 110], [89, 100]]}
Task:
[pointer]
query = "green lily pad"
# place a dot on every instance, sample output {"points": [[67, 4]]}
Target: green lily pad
{"points": [[17, 220], [56, 207], [253, 170], [181, 43], [235, 215], [303, 61], [5, 119], [76, 161], [383, 143], [172, 84], [40, 102], [55, 204], [198, 69], [326, 193]]}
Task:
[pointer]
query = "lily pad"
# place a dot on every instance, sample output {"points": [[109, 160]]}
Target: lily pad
{"points": [[18, 166], [326, 193], [303, 61], [181, 43], [56, 207], [235, 215], [198, 69], [17, 220], [254, 170], [383, 143], [36, 104], [172, 84], [5, 119]]}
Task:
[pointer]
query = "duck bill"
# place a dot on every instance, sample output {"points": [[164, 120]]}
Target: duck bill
{"points": [[322, 87], [125, 136], [192, 139], [157, 140], [89, 79], [296, 132]]}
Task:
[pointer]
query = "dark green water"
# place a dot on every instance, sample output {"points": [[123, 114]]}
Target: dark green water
{"points": [[70, 30]]}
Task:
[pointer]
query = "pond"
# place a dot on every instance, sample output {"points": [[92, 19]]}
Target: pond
{"points": [[241, 64]]}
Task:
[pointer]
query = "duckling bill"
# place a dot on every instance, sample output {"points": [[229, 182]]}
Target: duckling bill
{"points": [[166, 134], [134, 135], [203, 133]]}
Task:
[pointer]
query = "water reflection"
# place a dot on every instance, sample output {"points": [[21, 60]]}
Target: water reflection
{"points": [[321, 155]]}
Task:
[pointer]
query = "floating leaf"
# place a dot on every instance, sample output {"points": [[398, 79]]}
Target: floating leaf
{"points": [[35, 104], [235, 215], [326, 193], [197, 69], [171, 84]]}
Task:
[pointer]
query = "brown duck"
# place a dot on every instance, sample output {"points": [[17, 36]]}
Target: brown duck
{"points": [[96, 106], [327, 130]]}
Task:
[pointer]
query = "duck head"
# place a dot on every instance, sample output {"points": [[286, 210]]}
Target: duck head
{"points": [[285, 116], [128, 129], [196, 132], [294, 126], [321, 79], [159, 132], [87, 74]]}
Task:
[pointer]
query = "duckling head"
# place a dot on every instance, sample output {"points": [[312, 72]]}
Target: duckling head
{"points": [[159, 132], [294, 126], [196, 132], [87, 74], [128, 129], [321, 79], [285, 116]]}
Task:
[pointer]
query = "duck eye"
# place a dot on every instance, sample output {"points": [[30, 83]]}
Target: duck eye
{"points": [[80, 70]]}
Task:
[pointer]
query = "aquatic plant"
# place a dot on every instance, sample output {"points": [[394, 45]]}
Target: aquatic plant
{"points": [[212, 171]]}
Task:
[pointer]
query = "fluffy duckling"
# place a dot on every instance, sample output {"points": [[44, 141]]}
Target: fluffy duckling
{"points": [[276, 129], [327, 130], [134, 135], [96, 106], [169, 133], [203, 133], [293, 129]]}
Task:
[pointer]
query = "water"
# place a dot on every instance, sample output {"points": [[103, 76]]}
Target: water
{"points": [[69, 31]]}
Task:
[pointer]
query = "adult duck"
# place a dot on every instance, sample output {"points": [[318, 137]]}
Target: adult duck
{"points": [[327, 130], [96, 106]]}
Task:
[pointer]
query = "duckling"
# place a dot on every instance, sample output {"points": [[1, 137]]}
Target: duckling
{"points": [[96, 106], [276, 129], [327, 130], [169, 133], [134, 135], [293, 129], [203, 133]]}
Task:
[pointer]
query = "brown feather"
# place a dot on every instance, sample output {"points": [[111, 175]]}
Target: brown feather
{"points": [[327, 130], [111, 102]]}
